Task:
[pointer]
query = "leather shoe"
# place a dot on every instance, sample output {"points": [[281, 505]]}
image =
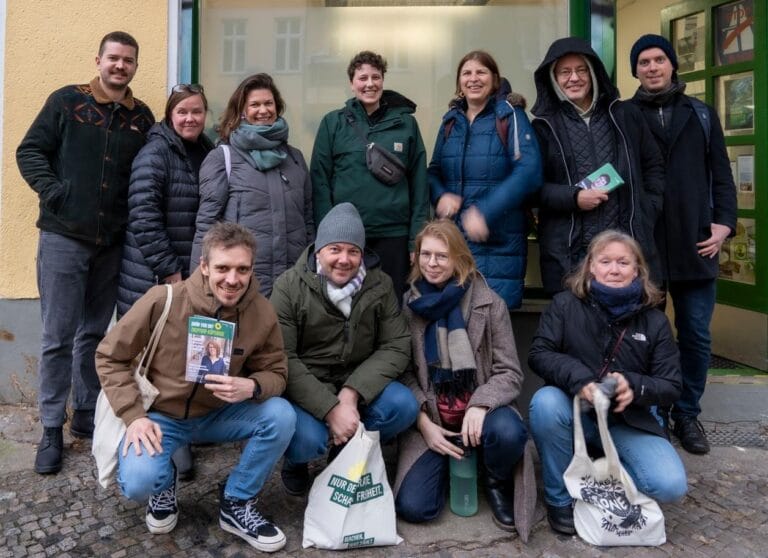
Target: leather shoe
{"points": [[691, 434], [48, 458], [81, 425], [295, 477], [561, 519], [185, 462], [501, 498]]}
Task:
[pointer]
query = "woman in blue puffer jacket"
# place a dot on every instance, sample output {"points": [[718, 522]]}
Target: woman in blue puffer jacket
{"points": [[485, 164]]}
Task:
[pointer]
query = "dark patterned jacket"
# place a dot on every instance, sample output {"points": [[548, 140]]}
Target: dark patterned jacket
{"points": [[77, 156]]}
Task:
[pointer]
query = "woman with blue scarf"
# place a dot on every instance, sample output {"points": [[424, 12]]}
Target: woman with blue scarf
{"points": [[606, 331], [256, 179], [466, 378]]}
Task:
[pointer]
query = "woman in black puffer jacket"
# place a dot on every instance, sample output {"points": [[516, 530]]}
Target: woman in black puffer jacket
{"points": [[163, 197]]}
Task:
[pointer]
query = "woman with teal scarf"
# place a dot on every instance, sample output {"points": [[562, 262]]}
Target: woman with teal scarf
{"points": [[256, 179]]}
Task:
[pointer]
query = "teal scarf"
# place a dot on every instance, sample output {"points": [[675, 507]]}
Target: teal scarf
{"points": [[262, 143]]}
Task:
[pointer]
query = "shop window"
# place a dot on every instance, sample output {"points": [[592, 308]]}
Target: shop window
{"points": [[288, 40], [233, 46]]}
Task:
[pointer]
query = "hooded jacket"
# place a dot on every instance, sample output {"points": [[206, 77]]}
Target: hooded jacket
{"points": [[472, 162], [275, 205], [327, 351], [77, 156], [572, 148], [257, 351], [576, 337], [700, 189], [162, 205], [340, 174]]}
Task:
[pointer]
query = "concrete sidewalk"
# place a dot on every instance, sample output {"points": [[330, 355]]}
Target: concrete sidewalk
{"points": [[724, 514]]}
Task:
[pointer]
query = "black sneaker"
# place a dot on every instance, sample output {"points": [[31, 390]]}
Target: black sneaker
{"points": [[295, 477], [81, 425], [561, 519], [691, 434], [241, 518], [162, 510], [49, 450]]}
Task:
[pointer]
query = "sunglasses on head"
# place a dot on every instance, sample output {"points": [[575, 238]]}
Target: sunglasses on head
{"points": [[187, 88]]}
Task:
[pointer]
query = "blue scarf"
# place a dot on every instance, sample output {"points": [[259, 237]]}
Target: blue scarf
{"points": [[449, 356], [262, 143], [618, 301]]}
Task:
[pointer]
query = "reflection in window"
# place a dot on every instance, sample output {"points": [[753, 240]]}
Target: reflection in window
{"points": [[288, 34], [233, 46]]}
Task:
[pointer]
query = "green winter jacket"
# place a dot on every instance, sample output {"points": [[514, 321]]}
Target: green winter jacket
{"points": [[339, 172], [327, 351]]}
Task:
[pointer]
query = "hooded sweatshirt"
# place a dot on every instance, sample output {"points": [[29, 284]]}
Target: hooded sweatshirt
{"points": [[574, 143]]}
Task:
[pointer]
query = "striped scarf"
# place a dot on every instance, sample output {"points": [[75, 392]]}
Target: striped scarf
{"points": [[341, 297]]}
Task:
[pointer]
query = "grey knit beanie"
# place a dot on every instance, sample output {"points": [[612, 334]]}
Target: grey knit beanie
{"points": [[341, 224]]}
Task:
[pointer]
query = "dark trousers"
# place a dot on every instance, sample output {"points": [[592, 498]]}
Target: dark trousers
{"points": [[422, 493], [395, 260]]}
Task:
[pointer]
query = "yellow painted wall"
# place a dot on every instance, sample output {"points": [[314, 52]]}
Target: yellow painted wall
{"points": [[49, 44]]}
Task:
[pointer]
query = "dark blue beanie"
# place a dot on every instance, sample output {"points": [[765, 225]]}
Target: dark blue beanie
{"points": [[651, 41]]}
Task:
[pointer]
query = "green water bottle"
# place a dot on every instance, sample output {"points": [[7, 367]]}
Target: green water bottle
{"points": [[464, 483]]}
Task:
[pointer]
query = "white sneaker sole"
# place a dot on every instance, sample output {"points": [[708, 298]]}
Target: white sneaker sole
{"points": [[265, 544], [162, 526]]}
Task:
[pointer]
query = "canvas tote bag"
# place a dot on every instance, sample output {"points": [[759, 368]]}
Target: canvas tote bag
{"points": [[108, 429], [351, 503], [609, 510]]}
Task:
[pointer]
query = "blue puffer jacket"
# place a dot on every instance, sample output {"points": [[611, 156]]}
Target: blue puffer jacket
{"points": [[162, 204], [473, 163]]}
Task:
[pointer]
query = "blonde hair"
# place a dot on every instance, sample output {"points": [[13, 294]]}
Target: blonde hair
{"points": [[579, 280], [446, 231]]}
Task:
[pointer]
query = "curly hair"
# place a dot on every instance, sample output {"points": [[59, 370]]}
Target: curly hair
{"points": [[366, 57]]}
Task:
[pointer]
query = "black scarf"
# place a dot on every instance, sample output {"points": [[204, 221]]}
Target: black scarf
{"points": [[618, 301]]}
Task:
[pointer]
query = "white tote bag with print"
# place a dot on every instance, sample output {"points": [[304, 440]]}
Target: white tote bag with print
{"points": [[351, 503], [609, 510]]}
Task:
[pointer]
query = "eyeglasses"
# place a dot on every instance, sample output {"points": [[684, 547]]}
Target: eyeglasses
{"points": [[441, 258], [187, 88], [565, 73]]}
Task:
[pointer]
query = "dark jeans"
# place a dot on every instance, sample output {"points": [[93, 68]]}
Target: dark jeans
{"points": [[694, 303], [395, 260], [77, 282], [422, 493]]}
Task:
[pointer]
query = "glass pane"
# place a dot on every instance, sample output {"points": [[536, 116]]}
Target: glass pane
{"points": [[742, 159], [736, 103], [432, 35], [688, 39], [734, 32], [738, 254], [696, 89]]}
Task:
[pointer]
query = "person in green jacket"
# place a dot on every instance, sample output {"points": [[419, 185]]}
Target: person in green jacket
{"points": [[392, 215], [346, 341]]}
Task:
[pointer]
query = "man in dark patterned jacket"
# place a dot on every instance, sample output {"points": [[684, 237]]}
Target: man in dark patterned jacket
{"points": [[77, 156]]}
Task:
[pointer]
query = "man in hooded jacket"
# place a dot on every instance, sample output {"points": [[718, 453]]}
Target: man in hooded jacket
{"points": [[581, 125]]}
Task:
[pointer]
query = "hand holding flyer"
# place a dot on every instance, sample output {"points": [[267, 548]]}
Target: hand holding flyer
{"points": [[605, 178], [209, 347]]}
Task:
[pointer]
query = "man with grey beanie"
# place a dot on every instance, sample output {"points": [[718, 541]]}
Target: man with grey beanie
{"points": [[699, 214], [346, 342]]}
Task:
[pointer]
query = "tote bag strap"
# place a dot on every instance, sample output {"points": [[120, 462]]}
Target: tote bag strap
{"points": [[602, 403], [154, 339], [579, 444]]}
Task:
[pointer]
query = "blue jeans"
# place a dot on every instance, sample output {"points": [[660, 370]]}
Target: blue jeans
{"points": [[393, 411], [422, 493], [650, 460], [694, 303], [268, 427], [77, 282]]}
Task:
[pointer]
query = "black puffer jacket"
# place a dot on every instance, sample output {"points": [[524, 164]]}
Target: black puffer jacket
{"points": [[162, 203], [571, 149], [576, 337]]}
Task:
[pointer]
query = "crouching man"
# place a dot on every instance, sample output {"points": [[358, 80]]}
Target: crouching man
{"points": [[346, 340], [242, 405]]}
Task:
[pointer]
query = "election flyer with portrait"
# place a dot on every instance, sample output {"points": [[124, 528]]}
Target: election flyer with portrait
{"points": [[209, 347]]}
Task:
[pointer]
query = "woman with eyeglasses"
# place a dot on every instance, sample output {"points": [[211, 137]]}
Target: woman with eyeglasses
{"points": [[581, 125], [162, 204], [466, 378], [163, 197], [255, 178], [484, 167]]}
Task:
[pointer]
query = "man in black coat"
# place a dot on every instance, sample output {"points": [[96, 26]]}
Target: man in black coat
{"points": [[699, 214], [77, 156]]}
